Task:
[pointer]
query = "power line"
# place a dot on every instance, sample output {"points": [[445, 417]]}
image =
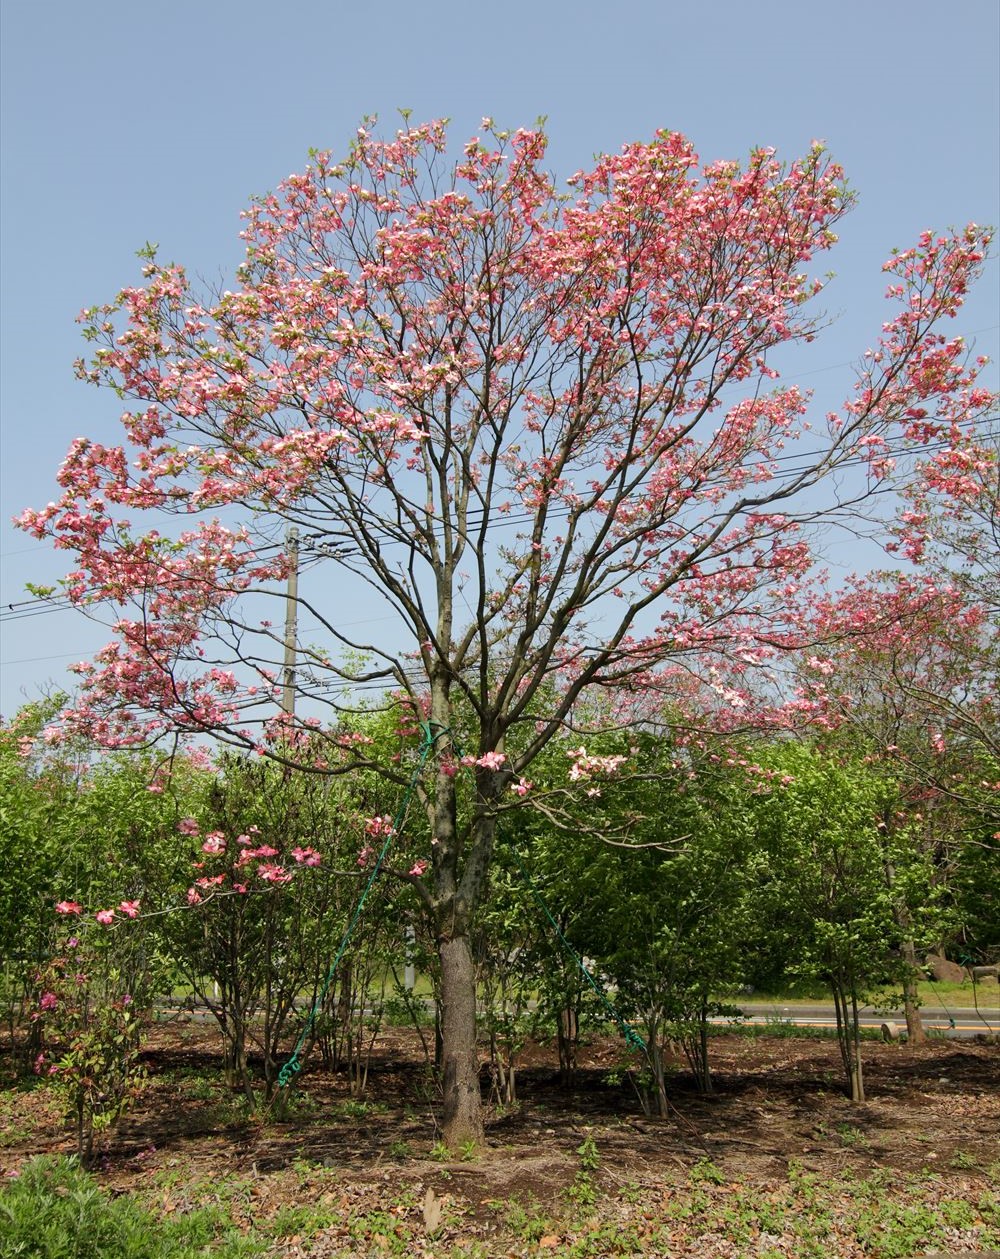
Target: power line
{"points": [[44, 605]]}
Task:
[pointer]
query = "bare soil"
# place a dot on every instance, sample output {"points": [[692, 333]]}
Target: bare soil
{"points": [[779, 1102]]}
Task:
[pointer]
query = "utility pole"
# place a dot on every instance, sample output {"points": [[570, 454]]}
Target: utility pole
{"points": [[291, 622]]}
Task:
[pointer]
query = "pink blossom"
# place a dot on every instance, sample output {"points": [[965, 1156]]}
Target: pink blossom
{"points": [[585, 765], [215, 843], [306, 856], [419, 867], [274, 874], [49, 1001], [105, 916], [69, 907], [188, 826], [522, 786], [194, 897], [129, 908], [264, 850]]}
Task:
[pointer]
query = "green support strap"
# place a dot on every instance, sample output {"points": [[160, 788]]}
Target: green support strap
{"points": [[294, 1064], [632, 1037]]}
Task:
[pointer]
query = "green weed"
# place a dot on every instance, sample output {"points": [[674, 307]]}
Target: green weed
{"points": [[583, 1191], [54, 1210], [706, 1172]]}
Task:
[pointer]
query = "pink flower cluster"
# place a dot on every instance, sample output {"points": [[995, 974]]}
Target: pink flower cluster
{"points": [[585, 766], [245, 860], [489, 760]]}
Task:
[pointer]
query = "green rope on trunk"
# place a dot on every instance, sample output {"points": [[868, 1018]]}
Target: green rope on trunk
{"points": [[631, 1036]]}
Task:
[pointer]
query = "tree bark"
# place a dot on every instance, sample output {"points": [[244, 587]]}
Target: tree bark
{"points": [[463, 1118], [857, 1070], [915, 1034]]}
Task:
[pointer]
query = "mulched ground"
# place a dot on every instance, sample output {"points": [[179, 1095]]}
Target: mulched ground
{"points": [[778, 1101]]}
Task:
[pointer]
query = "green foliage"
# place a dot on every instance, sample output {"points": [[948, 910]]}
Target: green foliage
{"points": [[72, 830], [91, 997], [664, 909], [583, 1190], [54, 1210], [705, 1171], [974, 883], [845, 888], [522, 1219]]}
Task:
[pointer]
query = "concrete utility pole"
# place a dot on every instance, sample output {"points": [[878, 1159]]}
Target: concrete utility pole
{"points": [[291, 623]]}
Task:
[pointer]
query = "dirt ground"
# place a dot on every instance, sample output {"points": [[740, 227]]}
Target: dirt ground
{"points": [[934, 1112]]}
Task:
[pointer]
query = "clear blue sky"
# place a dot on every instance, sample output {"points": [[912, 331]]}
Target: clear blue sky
{"points": [[127, 122]]}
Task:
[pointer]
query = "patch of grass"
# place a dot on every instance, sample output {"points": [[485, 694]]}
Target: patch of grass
{"points": [[304, 1219], [851, 1135], [15, 1125], [358, 1108], [55, 1210], [525, 1220], [778, 1026], [929, 992]]}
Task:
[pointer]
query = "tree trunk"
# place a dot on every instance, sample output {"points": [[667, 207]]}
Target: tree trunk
{"points": [[463, 1117], [857, 1071], [849, 1035], [568, 1036], [915, 1034]]}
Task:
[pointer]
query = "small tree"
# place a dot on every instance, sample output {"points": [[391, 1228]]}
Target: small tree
{"points": [[502, 408], [845, 892], [269, 886], [918, 693], [92, 997], [667, 911]]}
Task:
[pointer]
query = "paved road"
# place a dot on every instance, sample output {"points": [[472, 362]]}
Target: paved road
{"points": [[957, 1021], [961, 1022]]}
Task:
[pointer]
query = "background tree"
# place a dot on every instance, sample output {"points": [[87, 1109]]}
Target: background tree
{"points": [[668, 916], [845, 891], [80, 830], [36, 792], [505, 410]]}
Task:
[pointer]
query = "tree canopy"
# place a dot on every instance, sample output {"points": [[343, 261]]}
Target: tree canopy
{"points": [[545, 427]]}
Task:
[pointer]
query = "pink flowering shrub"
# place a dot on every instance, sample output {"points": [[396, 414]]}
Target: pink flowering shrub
{"points": [[261, 907], [87, 1019]]}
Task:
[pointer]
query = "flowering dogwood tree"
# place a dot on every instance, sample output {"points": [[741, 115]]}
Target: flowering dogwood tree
{"points": [[544, 427]]}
